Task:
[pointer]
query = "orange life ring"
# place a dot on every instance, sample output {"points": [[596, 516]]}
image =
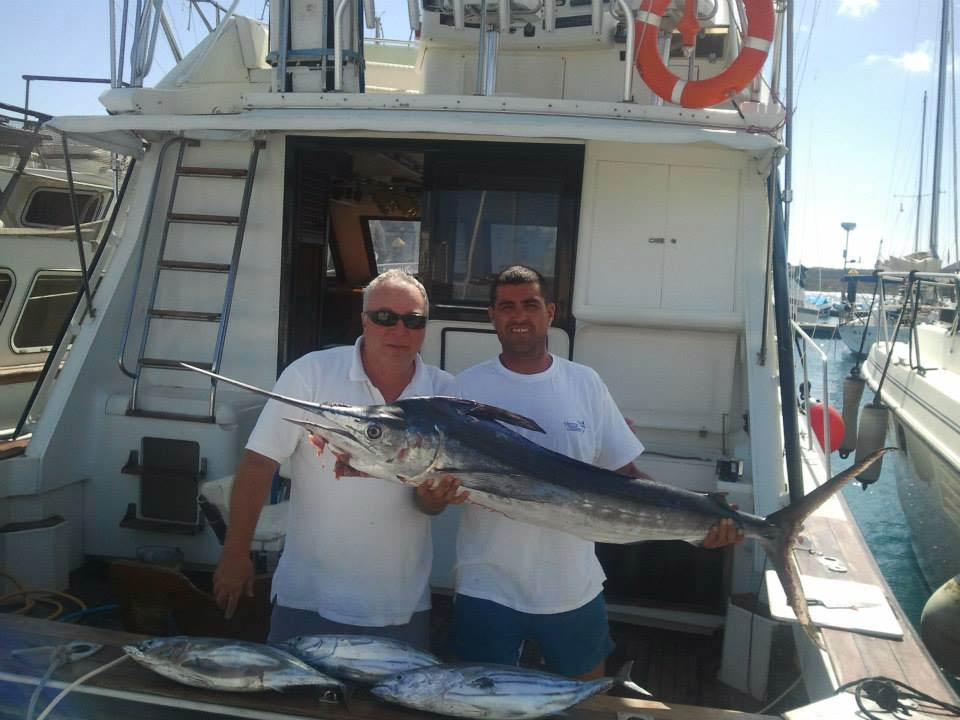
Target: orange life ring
{"points": [[715, 90]]}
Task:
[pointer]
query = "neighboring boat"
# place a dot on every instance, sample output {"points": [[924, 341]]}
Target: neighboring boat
{"points": [[920, 378], [269, 189], [862, 319], [40, 264], [811, 311], [916, 382]]}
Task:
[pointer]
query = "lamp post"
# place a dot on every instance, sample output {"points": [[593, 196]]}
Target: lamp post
{"points": [[848, 226]]}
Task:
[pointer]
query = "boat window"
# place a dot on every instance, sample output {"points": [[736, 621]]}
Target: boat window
{"points": [[396, 243], [49, 207], [484, 239], [50, 298], [6, 287], [487, 213]]}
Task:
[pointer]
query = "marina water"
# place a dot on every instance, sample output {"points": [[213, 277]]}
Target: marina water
{"points": [[877, 509]]}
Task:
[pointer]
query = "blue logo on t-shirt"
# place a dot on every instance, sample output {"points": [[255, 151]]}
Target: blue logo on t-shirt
{"points": [[575, 425]]}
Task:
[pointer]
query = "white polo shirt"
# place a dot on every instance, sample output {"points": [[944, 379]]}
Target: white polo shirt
{"points": [[357, 550]]}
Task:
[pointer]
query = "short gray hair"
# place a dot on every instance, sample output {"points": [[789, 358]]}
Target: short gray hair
{"points": [[395, 276]]}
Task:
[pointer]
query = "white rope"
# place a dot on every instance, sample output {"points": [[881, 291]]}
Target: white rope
{"points": [[69, 688]]}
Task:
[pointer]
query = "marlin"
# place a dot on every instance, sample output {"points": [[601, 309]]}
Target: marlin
{"points": [[421, 440]]}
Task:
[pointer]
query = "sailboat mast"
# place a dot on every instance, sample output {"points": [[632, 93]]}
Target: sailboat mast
{"points": [[923, 137], [953, 127], [945, 37]]}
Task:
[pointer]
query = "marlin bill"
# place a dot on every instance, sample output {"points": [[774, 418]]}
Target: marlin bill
{"points": [[419, 440]]}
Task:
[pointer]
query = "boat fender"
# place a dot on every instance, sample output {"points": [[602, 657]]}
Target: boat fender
{"points": [[711, 91], [852, 393], [871, 435], [835, 420], [940, 625]]}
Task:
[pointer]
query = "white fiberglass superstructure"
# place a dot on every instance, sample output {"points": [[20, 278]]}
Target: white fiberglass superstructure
{"points": [[270, 187]]}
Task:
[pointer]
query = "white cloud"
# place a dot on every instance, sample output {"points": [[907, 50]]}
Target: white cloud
{"points": [[915, 61], [857, 8]]}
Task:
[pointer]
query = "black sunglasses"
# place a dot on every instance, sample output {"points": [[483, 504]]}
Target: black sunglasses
{"points": [[388, 318]]}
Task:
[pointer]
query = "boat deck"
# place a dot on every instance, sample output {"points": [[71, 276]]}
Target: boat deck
{"points": [[128, 688], [832, 532]]}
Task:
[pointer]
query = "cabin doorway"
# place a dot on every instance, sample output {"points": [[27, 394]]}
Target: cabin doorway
{"points": [[453, 213]]}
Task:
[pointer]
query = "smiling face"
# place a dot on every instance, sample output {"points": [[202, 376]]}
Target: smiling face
{"points": [[399, 344], [521, 316]]}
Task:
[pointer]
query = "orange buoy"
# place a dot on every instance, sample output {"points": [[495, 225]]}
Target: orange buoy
{"points": [[715, 90], [834, 418]]}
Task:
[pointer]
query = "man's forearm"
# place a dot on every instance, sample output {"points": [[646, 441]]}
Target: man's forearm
{"points": [[251, 483]]}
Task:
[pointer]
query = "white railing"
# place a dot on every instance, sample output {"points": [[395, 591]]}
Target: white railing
{"points": [[808, 342]]}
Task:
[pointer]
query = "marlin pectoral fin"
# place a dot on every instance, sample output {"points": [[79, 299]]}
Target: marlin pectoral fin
{"points": [[489, 412]]}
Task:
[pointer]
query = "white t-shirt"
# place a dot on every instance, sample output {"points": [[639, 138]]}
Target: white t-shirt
{"points": [[357, 550], [522, 566]]}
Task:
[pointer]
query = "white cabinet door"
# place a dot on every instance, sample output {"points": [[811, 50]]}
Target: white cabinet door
{"points": [[699, 268], [629, 234]]}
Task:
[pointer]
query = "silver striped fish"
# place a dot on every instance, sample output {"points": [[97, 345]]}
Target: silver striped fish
{"points": [[232, 665], [360, 658], [487, 692]]}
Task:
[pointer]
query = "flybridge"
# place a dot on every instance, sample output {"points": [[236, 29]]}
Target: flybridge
{"points": [[630, 52]]}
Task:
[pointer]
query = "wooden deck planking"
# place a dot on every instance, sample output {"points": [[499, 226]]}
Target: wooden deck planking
{"points": [[856, 655], [131, 681]]}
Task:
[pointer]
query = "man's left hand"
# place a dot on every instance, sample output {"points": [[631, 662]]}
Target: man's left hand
{"points": [[722, 534]]}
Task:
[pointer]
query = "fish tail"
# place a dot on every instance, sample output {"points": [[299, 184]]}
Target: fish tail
{"points": [[347, 690], [622, 679], [789, 521]]}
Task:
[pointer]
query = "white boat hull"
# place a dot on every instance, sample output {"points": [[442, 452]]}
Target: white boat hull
{"points": [[929, 491], [925, 425]]}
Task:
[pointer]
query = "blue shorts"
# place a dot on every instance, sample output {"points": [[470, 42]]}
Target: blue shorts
{"points": [[286, 622], [572, 643]]}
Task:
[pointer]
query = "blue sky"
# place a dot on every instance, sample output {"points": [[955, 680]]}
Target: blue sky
{"points": [[861, 69]]}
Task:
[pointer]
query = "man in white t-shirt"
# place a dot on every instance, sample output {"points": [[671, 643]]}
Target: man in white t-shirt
{"points": [[357, 553], [516, 581]]}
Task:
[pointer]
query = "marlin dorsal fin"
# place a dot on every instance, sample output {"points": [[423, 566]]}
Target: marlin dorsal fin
{"points": [[490, 412]]}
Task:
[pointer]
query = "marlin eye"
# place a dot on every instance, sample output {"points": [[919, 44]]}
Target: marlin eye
{"points": [[374, 431]]}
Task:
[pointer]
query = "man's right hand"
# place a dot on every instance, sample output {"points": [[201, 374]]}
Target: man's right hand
{"points": [[232, 579]]}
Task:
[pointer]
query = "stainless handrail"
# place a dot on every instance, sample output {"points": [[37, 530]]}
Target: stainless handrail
{"points": [[482, 50], [934, 276], [338, 45], [258, 145], [282, 42], [75, 212], [808, 341], [631, 42], [142, 240], [549, 15]]}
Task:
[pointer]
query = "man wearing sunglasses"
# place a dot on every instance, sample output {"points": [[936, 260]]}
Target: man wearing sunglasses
{"points": [[357, 553]]}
